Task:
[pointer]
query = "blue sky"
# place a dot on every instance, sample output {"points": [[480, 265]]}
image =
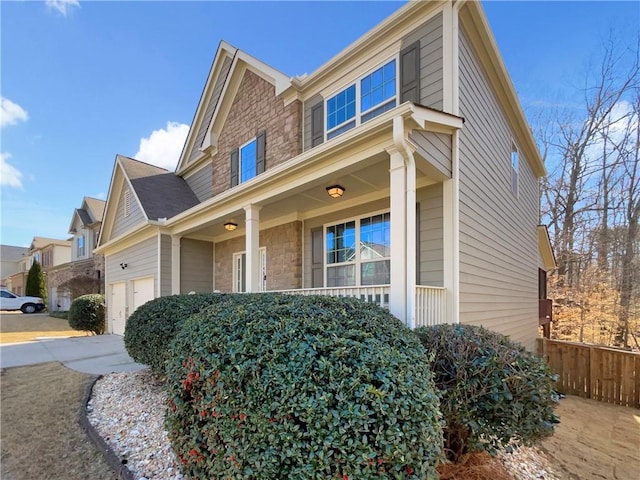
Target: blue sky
{"points": [[82, 81]]}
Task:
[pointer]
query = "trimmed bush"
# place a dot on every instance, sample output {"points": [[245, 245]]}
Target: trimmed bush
{"points": [[152, 327], [87, 313], [493, 390], [272, 386]]}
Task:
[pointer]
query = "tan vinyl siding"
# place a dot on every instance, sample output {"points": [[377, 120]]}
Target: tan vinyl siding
{"points": [[165, 265], [213, 101], [435, 148], [430, 36], [498, 241], [141, 260], [316, 222], [196, 266], [122, 224], [201, 181], [430, 237], [308, 105]]}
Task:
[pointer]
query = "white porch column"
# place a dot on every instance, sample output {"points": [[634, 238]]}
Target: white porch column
{"points": [[175, 264], [252, 247], [398, 185]]}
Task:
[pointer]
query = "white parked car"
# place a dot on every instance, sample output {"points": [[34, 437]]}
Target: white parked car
{"points": [[11, 301]]}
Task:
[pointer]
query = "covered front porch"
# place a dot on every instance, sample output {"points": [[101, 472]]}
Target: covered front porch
{"points": [[390, 238]]}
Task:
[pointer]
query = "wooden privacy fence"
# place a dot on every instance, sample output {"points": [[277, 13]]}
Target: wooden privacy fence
{"points": [[590, 371]]}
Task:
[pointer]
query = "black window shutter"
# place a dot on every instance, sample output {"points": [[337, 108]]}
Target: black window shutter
{"points": [[260, 151], [317, 253], [317, 124], [410, 73], [234, 167]]}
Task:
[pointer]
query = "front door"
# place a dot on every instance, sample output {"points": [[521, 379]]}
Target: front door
{"points": [[117, 308]]}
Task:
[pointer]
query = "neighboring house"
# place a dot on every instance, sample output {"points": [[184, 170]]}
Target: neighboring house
{"points": [[49, 252], [13, 264], [402, 171], [85, 230]]}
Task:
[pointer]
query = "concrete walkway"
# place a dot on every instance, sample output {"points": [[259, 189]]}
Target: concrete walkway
{"points": [[97, 354]]}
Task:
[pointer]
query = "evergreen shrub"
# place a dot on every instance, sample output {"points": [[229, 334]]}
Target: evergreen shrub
{"points": [[272, 386], [87, 313], [152, 327], [493, 390]]}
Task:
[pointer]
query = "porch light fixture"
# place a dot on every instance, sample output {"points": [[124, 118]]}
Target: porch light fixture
{"points": [[230, 226], [335, 191]]}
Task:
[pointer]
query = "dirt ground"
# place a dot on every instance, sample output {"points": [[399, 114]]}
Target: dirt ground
{"points": [[17, 327], [40, 436], [595, 441]]}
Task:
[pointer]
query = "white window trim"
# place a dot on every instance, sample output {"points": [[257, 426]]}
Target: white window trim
{"points": [[263, 267], [255, 160], [515, 169], [358, 261], [358, 116]]}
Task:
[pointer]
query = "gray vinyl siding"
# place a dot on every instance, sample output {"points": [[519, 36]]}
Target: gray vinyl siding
{"points": [[201, 182], [431, 270], [430, 36], [308, 105], [316, 222], [141, 260], [122, 224], [165, 265], [211, 106], [196, 266], [436, 148], [498, 236]]}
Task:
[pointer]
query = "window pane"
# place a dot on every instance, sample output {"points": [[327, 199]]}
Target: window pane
{"points": [[375, 237], [341, 276], [378, 86], [375, 273], [341, 243], [341, 107], [248, 161]]}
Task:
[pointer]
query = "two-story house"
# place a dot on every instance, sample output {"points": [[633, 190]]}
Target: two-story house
{"points": [[13, 267], [402, 171], [84, 265]]}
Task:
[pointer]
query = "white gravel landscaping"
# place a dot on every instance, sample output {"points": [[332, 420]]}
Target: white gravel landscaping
{"points": [[128, 409]]}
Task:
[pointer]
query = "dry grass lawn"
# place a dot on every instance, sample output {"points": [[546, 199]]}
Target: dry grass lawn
{"points": [[16, 327], [40, 436]]}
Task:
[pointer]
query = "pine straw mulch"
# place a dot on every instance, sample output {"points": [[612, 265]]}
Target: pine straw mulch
{"points": [[475, 466]]}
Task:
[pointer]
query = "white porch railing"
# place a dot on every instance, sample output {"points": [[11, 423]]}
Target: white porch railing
{"points": [[430, 304], [378, 294]]}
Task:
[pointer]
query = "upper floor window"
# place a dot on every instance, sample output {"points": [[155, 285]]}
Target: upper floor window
{"points": [[514, 168], [80, 246], [248, 160], [371, 95], [358, 252]]}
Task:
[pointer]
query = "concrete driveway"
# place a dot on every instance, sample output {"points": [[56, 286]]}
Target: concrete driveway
{"points": [[96, 354]]}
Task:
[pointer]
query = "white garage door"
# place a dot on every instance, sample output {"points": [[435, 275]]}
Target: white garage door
{"points": [[117, 308], [142, 292]]}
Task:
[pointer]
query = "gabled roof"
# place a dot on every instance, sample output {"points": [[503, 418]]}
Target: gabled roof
{"points": [[161, 193], [10, 253], [95, 207], [40, 242], [228, 65]]}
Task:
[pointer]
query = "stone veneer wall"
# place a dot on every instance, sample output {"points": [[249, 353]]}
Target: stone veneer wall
{"points": [[61, 273], [284, 258], [257, 108]]}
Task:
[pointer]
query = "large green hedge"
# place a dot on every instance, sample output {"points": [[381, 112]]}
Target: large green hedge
{"points": [[493, 390], [152, 327], [271, 386], [87, 313]]}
